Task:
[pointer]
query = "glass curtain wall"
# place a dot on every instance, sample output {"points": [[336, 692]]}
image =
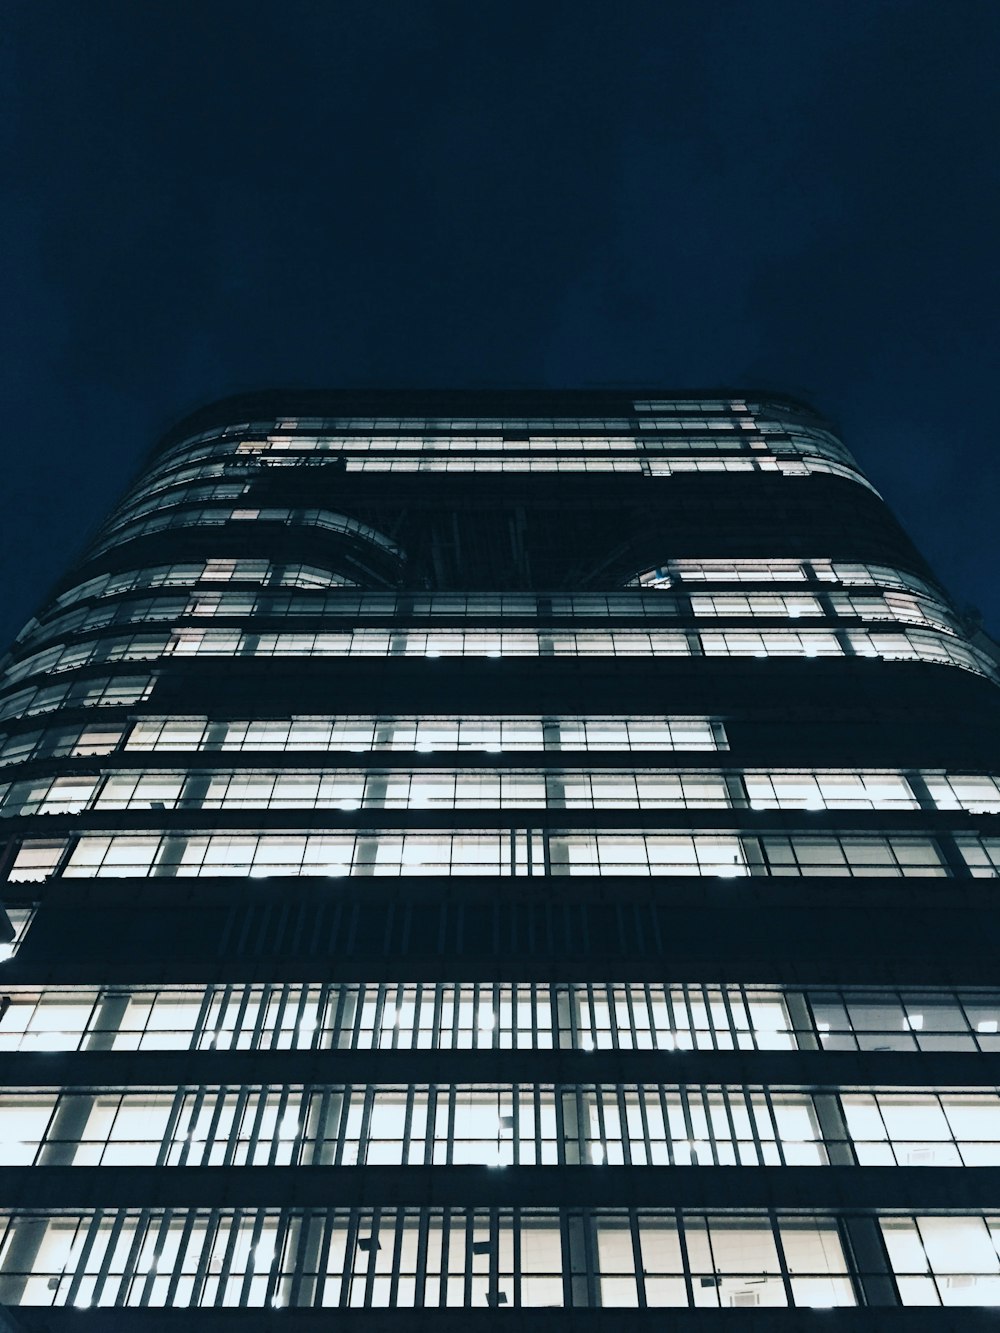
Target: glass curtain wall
{"points": [[361, 662]]}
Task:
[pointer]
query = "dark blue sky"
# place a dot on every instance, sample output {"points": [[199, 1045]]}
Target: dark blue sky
{"points": [[207, 197]]}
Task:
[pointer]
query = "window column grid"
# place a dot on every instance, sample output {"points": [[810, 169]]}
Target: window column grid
{"points": [[618, 1092], [562, 1127], [275, 1025], [711, 1028], [240, 1110], [341, 1101], [867, 1258], [725, 998], [345, 1279], [303, 1233], [190, 1216], [635, 1028], [367, 1096], [449, 1097], [298, 1140], [472, 1216], [447, 1226], [399, 1236], [804, 1024], [952, 856], [430, 1138], [456, 992], [396, 1032], [407, 1145], [79, 1275], [415, 996], [661, 1094], [266, 991], [244, 993], [200, 1026], [135, 1249], [588, 1000], [518, 1230], [170, 1132], [115, 1232], [193, 1103], [259, 1217], [305, 996], [322, 1037], [423, 1219], [282, 1223], [779, 1139], [786, 1280], [692, 1138], [650, 1024], [638, 1267], [342, 1028]]}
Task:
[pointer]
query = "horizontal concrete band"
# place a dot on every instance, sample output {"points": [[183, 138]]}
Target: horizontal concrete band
{"points": [[875, 1320], [792, 1069], [732, 1188]]}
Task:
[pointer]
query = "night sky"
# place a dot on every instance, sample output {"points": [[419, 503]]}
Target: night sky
{"points": [[203, 198]]}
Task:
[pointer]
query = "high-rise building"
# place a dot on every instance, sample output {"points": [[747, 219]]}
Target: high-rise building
{"points": [[455, 849]]}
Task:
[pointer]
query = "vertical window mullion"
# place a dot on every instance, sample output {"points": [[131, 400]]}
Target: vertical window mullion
{"points": [[200, 1096], [633, 1043], [638, 1271], [189, 1215], [765, 1093], [685, 1257], [345, 1277], [364, 1134], [782, 1262], [202, 1272], [245, 993], [232, 1147], [730, 1017], [623, 1125], [109, 1252], [234, 1217], [173, 1121], [423, 1225], [93, 1231], [324, 1036], [682, 1096], [405, 1150], [450, 1150], [667, 1135], [399, 1235], [259, 1216], [274, 1278], [283, 1099], [746, 1096], [135, 1249], [277, 1024], [204, 1009], [641, 1092], [346, 1093]]}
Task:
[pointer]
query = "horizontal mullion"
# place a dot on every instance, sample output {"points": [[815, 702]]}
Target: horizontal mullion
{"points": [[694, 819], [457, 623], [396, 759]]}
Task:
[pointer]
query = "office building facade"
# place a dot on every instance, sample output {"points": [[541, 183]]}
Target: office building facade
{"points": [[490, 857]]}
